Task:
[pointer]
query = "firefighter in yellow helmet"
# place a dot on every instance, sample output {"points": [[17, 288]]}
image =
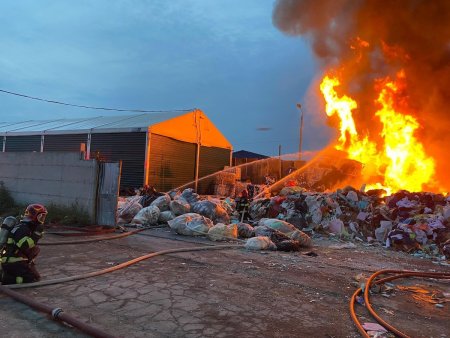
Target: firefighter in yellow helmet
{"points": [[17, 257]]}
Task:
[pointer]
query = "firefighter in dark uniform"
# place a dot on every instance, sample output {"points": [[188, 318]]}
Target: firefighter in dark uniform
{"points": [[17, 257], [242, 205]]}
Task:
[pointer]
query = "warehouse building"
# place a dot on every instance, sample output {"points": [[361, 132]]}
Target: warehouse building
{"points": [[165, 150]]}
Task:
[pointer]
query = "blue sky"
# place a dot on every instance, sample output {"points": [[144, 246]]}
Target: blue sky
{"points": [[223, 56]]}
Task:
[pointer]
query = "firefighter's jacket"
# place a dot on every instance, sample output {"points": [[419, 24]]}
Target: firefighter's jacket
{"points": [[242, 204], [22, 243]]}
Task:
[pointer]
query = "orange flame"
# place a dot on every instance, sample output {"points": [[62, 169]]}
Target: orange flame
{"points": [[400, 159]]}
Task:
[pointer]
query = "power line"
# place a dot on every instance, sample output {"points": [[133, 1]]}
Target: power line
{"points": [[92, 107]]}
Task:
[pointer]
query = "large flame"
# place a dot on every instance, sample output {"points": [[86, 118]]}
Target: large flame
{"points": [[399, 160], [411, 113]]}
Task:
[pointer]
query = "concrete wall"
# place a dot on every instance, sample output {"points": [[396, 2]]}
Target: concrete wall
{"points": [[60, 178]]}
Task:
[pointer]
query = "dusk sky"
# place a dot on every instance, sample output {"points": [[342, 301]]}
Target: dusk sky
{"points": [[224, 56]]}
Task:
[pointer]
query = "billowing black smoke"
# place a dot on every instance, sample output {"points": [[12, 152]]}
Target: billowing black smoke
{"points": [[365, 40]]}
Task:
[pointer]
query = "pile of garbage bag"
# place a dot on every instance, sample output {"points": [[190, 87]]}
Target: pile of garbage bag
{"points": [[190, 215], [417, 223]]}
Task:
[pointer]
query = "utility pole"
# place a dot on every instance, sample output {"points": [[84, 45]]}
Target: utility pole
{"points": [[280, 169], [299, 106]]}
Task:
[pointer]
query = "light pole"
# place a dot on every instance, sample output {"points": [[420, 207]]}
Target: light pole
{"points": [[299, 106]]}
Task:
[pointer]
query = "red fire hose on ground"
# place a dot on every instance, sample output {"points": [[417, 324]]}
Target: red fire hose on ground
{"points": [[371, 280], [97, 239], [56, 313]]}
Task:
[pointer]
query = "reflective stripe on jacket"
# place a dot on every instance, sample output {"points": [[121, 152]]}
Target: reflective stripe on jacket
{"points": [[20, 246]]}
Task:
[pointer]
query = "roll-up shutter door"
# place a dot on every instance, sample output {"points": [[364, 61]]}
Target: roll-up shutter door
{"points": [[212, 160], [23, 143], [66, 142], [126, 147], [172, 162]]}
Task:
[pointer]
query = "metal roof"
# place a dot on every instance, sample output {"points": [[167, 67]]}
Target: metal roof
{"points": [[248, 154], [99, 124]]}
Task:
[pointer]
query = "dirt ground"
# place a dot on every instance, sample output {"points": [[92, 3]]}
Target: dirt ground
{"points": [[227, 293]]}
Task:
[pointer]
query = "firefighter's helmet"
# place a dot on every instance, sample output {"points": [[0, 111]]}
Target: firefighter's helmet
{"points": [[35, 213]]}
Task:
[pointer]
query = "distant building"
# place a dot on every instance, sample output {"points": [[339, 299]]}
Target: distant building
{"points": [[244, 156], [165, 150], [251, 170]]}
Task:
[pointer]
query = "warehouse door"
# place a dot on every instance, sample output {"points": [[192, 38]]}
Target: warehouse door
{"points": [[172, 162], [126, 147], [107, 192], [212, 160]]}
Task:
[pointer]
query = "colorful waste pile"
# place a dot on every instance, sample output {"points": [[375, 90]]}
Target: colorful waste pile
{"points": [[413, 222]]}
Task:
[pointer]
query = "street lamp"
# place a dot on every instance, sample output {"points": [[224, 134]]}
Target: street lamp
{"points": [[299, 106]]}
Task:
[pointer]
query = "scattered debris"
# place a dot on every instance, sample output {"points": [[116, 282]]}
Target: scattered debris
{"points": [[422, 294], [375, 330], [348, 245], [418, 223]]}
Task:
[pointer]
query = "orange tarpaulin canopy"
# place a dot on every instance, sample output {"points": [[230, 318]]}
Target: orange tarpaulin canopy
{"points": [[193, 127]]}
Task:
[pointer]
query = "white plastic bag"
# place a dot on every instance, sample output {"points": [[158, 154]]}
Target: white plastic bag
{"points": [[211, 209], [260, 243], [190, 196], [245, 230], [191, 224], [180, 206], [222, 232], [277, 224], [148, 215], [166, 216], [128, 211], [162, 202], [304, 239]]}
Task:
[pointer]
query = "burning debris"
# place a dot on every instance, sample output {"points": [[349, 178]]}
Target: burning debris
{"points": [[385, 84]]}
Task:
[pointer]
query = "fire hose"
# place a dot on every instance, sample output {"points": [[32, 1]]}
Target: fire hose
{"points": [[98, 239], [122, 265], [399, 274], [57, 312]]}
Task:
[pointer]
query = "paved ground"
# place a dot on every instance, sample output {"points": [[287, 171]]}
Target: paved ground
{"points": [[218, 293]]}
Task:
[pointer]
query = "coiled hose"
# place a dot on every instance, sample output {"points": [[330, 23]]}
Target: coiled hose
{"points": [[400, 274]]}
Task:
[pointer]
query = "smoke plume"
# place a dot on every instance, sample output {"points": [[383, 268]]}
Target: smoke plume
{"points": [[365, 40]]}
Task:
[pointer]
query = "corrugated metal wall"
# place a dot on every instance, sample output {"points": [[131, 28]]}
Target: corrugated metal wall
{"points": [[212, 160], [172, 162], [126, 147], [23, 143], [66, 142]]}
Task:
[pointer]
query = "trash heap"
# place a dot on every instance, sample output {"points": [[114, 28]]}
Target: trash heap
{"points": [[413, 222], [417, 223], [188, 214]]}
